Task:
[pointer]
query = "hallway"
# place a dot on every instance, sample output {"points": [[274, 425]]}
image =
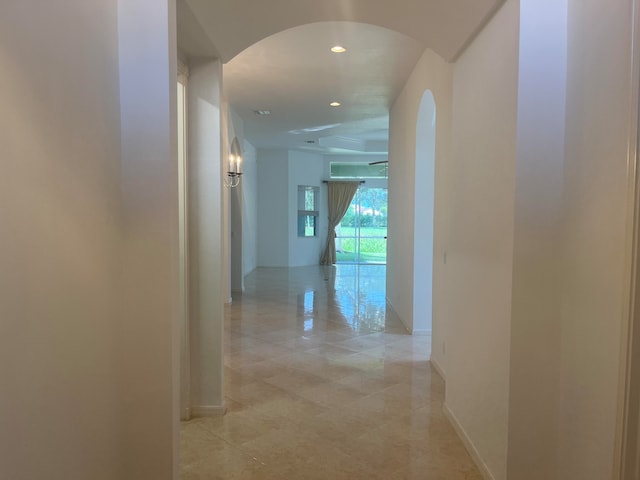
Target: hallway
{"points": [[321, 384]]}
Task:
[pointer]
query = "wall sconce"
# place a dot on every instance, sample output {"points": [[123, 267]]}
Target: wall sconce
{"points": [[235, 165]]}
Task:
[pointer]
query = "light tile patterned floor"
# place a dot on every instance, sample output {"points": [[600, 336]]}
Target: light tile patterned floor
{"points": [[322, 384]]}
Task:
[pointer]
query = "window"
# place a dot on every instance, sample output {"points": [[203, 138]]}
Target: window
{"points": [[308, 211], [358, 170], [361, 236]]}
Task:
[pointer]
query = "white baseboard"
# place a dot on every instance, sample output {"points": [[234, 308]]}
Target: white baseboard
{"points": [[414, 332], [208, 410], [185, 414], [484, 470], [436, 366], [393, 312], [421, 333]]}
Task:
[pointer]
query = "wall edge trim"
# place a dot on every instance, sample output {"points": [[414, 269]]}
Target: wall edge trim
{"points": [[419, 332], [477, 459], [208, 410], [394, 312], [438, 368]]}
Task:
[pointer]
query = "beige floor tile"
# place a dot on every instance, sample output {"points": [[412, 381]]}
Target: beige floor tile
{"points": [[319, 384], [294, 380]]}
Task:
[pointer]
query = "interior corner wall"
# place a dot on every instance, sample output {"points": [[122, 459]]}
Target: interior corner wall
{"points": [[306, 169], [279, 173], [434, 74], [249, 209], [480, 244], [595, 243], [273, 208]]}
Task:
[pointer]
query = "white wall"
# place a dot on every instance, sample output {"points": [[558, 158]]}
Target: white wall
{"points": [[279, 174], [235, 129], [249, 209], [595, 191], [535, 332], [480, 247], [306, 169], [150, 337], [424, 202], [242, 222], [273, 205], [206, 217], [531, 297], [86, 295], [60, 253], [434, 74]]}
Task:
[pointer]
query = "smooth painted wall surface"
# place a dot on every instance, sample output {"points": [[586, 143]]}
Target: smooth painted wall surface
{"points": [[149, 338], [535, 311], [593, 270], [88, 213], [61, 242], [235, 196], [273, 206], [249, 209], [431, 73], [424, 215], [306, 169], [206, 219], [480, 247], [280, 172]]}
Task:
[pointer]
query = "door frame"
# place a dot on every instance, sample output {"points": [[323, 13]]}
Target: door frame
{"points": [[358, 227], [183, 246]]}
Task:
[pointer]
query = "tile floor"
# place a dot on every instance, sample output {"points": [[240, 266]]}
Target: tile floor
{"points": [[321, 384]]}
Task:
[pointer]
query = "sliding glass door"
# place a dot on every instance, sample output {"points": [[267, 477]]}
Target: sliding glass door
{"points": [[362, 234]]}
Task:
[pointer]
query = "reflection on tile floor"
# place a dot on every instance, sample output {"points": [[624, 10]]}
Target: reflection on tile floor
{"points": [[321, 384]]}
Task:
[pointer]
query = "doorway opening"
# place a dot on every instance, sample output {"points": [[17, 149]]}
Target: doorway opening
{"points": [[424, 199], [361, 237]]}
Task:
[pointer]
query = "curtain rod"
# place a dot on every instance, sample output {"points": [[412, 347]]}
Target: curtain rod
{"points": [[327, 181]]}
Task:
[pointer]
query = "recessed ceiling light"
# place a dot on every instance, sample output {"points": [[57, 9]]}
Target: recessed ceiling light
{"points": [[262, 112], [338, 49], [335, 104]]}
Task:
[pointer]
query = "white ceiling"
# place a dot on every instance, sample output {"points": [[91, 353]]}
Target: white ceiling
{"points": [[295, 76], [279, 59]]}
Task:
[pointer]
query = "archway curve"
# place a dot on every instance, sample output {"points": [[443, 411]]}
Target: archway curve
{"points": [[233, 25], [293, 75], [424, 198]]}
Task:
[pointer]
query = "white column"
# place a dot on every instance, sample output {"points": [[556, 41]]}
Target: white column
{"points": [[148, 341], [206, 236], [535, 322]]}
